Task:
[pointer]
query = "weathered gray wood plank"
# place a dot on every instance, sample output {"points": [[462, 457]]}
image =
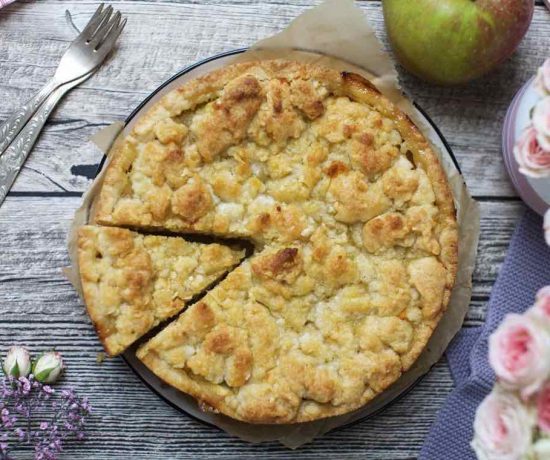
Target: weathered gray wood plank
{"points": [[38, 306], [171, 35]]}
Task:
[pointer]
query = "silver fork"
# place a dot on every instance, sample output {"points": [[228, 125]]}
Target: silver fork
{"points": [[84, 54], [100, 41]]}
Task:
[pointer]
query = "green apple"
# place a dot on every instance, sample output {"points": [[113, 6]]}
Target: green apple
{"points": [[454, 41]]}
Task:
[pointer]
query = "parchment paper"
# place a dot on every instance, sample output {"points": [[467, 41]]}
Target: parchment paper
{"points": [[335, 34]]}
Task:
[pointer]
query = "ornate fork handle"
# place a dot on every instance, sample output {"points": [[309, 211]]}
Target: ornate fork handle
{"points": [[15, 155], [11, 161], [14, 124]]}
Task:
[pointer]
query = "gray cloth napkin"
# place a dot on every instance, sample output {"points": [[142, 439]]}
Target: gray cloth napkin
{"points": [[525, 270]]}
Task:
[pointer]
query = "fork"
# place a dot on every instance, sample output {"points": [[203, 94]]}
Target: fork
{"points": [[14, 156], [84, 54], [92, 46]]}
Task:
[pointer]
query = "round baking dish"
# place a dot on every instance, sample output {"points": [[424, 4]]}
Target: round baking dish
{"points": [[183, 402]]}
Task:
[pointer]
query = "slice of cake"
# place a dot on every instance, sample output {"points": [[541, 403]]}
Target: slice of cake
{"points": [[132, 282]]}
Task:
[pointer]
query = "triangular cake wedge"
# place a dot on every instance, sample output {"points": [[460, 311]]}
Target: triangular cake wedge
{"points": [[132, 282]]}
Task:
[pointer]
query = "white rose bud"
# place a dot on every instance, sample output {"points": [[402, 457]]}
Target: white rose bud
{"points": [[17, 362], [48, 367]]}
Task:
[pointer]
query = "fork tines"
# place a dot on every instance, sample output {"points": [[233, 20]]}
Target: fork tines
{"points": [[103, 27]]}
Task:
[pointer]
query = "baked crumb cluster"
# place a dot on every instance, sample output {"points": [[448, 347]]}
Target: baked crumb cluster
{"points": [[353, 222]]}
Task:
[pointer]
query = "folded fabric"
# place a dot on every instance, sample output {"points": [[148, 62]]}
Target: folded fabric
{"points": [[525, 270]]}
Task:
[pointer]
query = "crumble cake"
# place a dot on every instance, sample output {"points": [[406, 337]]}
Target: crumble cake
{"points": [[353, 222], [132, 282]]}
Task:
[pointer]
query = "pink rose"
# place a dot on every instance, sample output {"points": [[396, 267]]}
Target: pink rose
{"points": [[543, 408], [546, 226], [541, 122], [518, 353], [503, 427], [541, 309], [542, 80], [532, 159]]}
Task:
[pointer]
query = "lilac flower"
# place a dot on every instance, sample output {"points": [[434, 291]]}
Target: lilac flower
{"points": [[48, 390], [21, 434], [26, 385], [23, 400], [8, 420]]}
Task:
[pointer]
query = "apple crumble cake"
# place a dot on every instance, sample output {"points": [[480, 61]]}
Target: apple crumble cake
{"points": [[352, 220]]}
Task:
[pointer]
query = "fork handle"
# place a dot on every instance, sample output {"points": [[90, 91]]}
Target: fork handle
{"points": [[15, 155], [15, 123]]}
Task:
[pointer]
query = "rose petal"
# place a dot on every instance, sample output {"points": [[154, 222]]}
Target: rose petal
{"points": [[541, 309], [542, 80], [541, 123], [543, 408], [531, 158]]}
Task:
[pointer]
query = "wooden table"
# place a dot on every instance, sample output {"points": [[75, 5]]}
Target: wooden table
{"points": [[38, 306]]}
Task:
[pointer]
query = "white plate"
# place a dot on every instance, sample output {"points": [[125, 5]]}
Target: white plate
{"points": [[535, 192]]}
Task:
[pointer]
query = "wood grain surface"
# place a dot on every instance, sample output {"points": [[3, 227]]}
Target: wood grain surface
{"points": [[38, 307]]}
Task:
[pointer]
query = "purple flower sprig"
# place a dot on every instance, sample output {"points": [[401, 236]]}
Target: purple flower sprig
{"points": [[34, 414], [69, 418]]}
